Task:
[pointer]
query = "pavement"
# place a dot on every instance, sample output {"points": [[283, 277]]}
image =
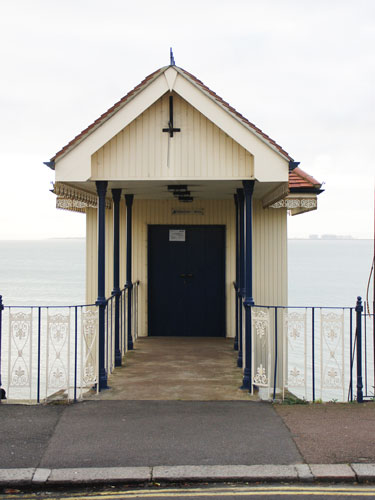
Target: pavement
{"points": [[111, 442]]}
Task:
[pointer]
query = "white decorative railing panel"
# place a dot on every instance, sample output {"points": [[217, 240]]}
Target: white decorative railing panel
{"points": [[262, 347]]}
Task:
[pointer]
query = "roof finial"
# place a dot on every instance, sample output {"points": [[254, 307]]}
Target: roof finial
{"points": [[172, 63]]}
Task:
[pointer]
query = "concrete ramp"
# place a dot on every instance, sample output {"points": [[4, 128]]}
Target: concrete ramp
{"points": [[178, 368]]}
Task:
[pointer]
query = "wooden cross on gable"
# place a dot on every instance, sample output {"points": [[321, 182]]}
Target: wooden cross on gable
{"points": [[170, 128]]}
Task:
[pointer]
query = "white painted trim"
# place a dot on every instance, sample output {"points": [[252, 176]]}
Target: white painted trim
{"points": [[269, 164], [170, 75], [225, 108], [275, 195], [264, 155], [78, 160]]}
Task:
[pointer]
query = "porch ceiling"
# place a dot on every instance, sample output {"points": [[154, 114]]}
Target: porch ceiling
{"points": [[199, 190]]}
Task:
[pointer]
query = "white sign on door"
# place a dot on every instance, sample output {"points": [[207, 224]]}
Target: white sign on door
{"points": [[177, 235]]}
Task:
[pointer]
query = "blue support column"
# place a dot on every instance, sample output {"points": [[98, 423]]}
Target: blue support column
{"points": [[241, 270], [116, 196], [237, 271], [2, 392], [129, 203], [101, 188], [249, 301]]}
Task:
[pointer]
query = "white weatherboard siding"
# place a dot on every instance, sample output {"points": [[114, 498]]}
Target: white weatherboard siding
{"points": [[269, 164], [75, 165], [269, 249], [142, 151], [80, 162], [270, 259]]}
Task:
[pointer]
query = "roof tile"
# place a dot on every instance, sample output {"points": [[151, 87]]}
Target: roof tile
{"points": [[300, 179]]}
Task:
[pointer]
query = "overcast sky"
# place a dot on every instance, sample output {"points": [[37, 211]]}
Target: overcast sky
{"points": [[301, 70]]}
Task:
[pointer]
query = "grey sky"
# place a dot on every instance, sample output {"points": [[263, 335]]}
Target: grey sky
{"points": [[302, 70]]}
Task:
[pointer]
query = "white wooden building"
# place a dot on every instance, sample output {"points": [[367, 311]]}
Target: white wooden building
{"points": [[207, 195]]}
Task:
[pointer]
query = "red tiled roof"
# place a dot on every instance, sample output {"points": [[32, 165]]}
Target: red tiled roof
{"points": [[118, 105], [237, 114], [300, 179], [139, 87]]}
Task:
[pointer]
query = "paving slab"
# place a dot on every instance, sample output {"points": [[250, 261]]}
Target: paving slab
{"points": [[364, 472], [100, 475], [332, 472], [16, 477], [151, 433], [225, 473], [329, 433]]}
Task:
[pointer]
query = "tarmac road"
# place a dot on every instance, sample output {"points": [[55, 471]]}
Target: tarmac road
{"points": [[144, 433], [219, 492]]}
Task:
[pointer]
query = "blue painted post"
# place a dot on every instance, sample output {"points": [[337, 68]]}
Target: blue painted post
{"points": [[129, 203], [1, 328], [351, 354], [116, 196], [76, 350], [275, 366], [237, 271], [313, 350], [38, 367], [241, 269], [249, 301], [101, 188], [358, 310]]}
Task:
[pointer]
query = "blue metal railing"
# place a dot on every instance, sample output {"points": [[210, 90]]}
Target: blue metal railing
{"points": [[51, 352], [40, 351], [311, 352]]}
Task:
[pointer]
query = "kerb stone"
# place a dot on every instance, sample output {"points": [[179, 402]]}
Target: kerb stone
{"points": [[332, 472], [100, 475], [225, 473], [41, 476], [364, 472], [304, 472], [16, 477]]}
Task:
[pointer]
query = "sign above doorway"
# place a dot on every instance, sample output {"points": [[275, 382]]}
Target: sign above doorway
{"points": [[187, 211], [177, 235]]}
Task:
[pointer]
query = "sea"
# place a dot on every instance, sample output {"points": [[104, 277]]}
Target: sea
{"points": [[52, 272]]}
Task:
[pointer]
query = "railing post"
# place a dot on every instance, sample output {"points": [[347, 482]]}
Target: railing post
{"points": [[351, 354], [313, 350], [129, 203], [76, 350], [2, 391], [38, 368], [358, 310], [275, 366], [101, 187]]}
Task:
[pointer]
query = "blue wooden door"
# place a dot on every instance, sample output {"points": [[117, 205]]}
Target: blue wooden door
{"points": [[186, 281]]}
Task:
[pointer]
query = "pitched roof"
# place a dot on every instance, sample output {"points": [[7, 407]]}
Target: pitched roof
{"points": [[118, 105], [111, 111], [238, 115], [297, 177], [300, 179]]}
